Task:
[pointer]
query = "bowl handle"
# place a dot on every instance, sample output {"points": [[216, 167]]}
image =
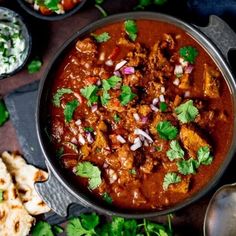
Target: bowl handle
{"points": [[221, 34], [54, 194]]}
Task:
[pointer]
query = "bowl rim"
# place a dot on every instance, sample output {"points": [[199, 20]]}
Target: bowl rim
{"points": [[30, 10], [210, 48]]}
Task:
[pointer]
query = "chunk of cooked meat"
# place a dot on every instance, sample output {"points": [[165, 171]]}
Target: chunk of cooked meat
{"points": [[86, 46], [168, 42], [185, 82], [211, 82], [85, 150], [125, 42], [126, 157], [134, 79], [192, 139], [170, 166], [101, 140], [144, 110], [177, 101], [181, 187], [148, 165]]}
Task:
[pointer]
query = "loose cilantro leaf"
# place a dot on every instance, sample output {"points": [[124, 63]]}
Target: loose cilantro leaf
{"points": [[105, 98], [52, 4], [89, 129], [111, 82], [106, 197], [101, 38], [170, 178], [131, 29], [90, 93], [186, 167], [163, 106], [186, 112], [204, 156], [175, 151], [126, 95], [117, 225], [69, 109], [166, 130], [89, 221], [188, 53], [88, 170], [1, 195], [154, 227], [116, 118], [34, 66], [42, 228], [102, 11], [4, 114], [160, 2], [57, 229], [130, 228], [99, 1], [58, 95]]}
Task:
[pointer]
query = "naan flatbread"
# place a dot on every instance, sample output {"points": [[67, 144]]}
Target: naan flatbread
{"points": [[14, 218], [25, 176]]}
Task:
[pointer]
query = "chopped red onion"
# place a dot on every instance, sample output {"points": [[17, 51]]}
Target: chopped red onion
{"points": [[136, 145], [144, 119], [178, 70], [154, 108], [189, 69], [109, 62], [74, 140], [78, 96], [120, 139], [128, 70], [146, 143], [117, 73], [187, 94], [78, 122], [89, 137], [81, 139], [136, 116], [162, 98], [141, 132], [102, 56], [120, 65], [152, 149], [94, 108], [99, 82], [155, 101], [163, 89], [176, 82]]}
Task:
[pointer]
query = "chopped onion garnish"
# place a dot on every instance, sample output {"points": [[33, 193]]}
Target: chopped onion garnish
{"points": [[178, 70], [162, 98], [144, 134], [155, 101], [81, 139], [152, 149], [187, 94], [136, 116], [120, 139], [89, 137], [109, 63], [94, 108], [144, 119], [154, 108], [176, 82], [136, 145], [74, 140], [128, 70], [78, 96], [117, 73], [188, 69], [163, 89], [78, 122], [146, 143], [99, 82], [102, 56], [120, 65], [183, 62]]}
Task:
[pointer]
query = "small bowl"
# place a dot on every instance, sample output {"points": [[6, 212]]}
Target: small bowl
{"points": [[26, 35], [28, 8]]}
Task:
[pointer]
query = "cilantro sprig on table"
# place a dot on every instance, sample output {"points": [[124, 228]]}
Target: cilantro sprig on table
{"points": [[146, 3], [166, 130], [188, 53], [34, 66], [101, 38], [4, 114], [131, 29]]}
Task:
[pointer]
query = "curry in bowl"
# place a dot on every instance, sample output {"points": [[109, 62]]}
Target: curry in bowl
{"points": [[140, 115]]}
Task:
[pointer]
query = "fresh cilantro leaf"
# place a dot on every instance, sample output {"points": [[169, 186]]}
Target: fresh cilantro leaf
{"points": [[154, 228], [170, 178], [99, 1], [69, 109], [186, 167], [105, 98], [1, 195], [59, 152], [101, 38], [117, 225], [204, 156], [188, 53], [166, 130], [132, 171], [102, 11], [4, 114], [89, 221], [88, 170], [143, 3], [186, 112], [116, 118], [131, 29], [90, 93], [106, 197], [75, 228], [160, 2], [57, 229], [52, 4], [175, 151], [130, 227], [89, 129], [126, 95], [111, 82], [42, 228], [163, 106], [34, 66], [58, 95]]}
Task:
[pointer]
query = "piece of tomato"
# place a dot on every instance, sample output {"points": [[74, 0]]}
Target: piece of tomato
{"points": [[69, 4], [45, 11]]}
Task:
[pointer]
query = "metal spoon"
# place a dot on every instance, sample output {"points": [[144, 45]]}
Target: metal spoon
{"points": [[220, 217]]}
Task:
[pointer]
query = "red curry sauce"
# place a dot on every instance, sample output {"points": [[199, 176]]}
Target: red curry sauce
{"points": [[134, 160]]}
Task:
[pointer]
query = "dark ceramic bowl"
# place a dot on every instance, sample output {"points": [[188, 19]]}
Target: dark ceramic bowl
{"points": [[29, 8], [59, 191], [27, 37]]}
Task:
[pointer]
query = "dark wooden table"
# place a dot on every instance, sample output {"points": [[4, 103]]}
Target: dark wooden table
{"points": [[47, 38]]}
